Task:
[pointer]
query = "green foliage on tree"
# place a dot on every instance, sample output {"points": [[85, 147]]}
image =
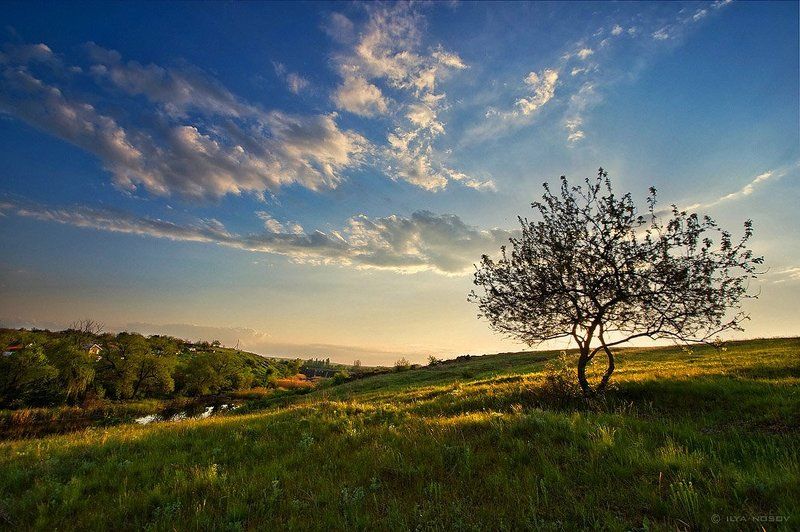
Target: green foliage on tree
{"points": [[595, 269], [57, 367], [75, 368], [25, 376], [215, 372], [402, 364]]}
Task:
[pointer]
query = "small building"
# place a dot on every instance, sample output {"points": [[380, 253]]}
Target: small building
{"points": [[94, 350], [313, 372]]}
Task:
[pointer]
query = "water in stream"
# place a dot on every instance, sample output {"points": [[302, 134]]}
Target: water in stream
{"points": [[195, 413]]}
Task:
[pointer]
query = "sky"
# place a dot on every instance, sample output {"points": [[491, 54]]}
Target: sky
{"points": [[319, 179]]}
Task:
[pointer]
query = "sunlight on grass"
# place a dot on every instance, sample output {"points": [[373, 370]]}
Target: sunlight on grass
{"points": [[476, 444]]}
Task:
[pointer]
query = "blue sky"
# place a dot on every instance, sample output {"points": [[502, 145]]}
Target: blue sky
{"points": [[319, 178]]}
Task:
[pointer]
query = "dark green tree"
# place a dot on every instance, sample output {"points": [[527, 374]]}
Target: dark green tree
{"points": [[215, 372], [75, 370], [25, 376]]}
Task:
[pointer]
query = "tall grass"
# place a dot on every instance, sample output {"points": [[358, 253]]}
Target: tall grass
{"points": [[476, 445]]}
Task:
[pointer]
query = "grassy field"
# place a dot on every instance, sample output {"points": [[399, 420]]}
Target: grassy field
{"points": [[685, 440]]}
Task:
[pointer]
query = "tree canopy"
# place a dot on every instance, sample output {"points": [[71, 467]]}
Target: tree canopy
{"points": [[595, 269], [83, 363]]}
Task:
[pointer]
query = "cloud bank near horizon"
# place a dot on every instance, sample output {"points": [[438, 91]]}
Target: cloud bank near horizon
{"points": [[423, 241]]}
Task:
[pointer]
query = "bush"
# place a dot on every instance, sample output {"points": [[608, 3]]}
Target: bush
{"points": [[560, 384], [341, 377], [402, 364]]}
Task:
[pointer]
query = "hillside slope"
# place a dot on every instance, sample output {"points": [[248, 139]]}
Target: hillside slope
{"points": [[684, 440]]}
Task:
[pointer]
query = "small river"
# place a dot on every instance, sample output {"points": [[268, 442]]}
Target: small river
{"points": [[201, 412]]}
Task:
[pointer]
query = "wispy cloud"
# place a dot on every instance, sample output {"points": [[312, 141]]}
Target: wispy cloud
{"points": [[294, 81], [389, 55], [786, 274], [576, 79], [749, 188], [543, 86], [424, 241], [357, 95]]}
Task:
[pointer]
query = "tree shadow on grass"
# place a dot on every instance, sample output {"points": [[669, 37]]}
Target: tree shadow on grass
{"points": [[719, 397]]}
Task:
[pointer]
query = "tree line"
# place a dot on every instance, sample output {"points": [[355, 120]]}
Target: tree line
{"points": [[43, 368]]}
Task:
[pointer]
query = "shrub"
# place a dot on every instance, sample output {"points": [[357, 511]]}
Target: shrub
{"points": [[560, 384], [402, 364], [341, 377], [299, 381]]}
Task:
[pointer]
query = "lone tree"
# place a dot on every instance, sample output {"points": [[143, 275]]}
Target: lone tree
{"points": [[596, 270]]}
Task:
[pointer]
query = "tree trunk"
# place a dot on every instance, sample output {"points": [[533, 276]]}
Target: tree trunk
{"points": [[583, 361], [607, 375], [586, 388]]}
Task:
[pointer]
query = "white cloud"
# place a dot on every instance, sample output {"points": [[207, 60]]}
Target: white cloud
{"points": [[574, 128], [700, 13], [540, 87], [791, 274], [543, 86], [744, 191], [471, 182], [359, 96], [424, 115], [274, 226], [584, 75], [584, 97], [448, 59], [661, 34], [296, 82], [389, 55], [79, 123], [177, 91], [271, 224], [26, 53], [424, 241], [198, 140]]}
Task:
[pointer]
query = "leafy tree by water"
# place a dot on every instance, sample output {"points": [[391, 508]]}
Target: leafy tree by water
{"points": [[215, 372], [25, 376], [151, 374], [129, 365], [75, 370]]}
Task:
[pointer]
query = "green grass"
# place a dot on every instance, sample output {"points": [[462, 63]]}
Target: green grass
{"points": [[477, 444]]}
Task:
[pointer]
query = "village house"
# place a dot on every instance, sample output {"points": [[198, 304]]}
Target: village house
{"points": [[94, 350]]}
